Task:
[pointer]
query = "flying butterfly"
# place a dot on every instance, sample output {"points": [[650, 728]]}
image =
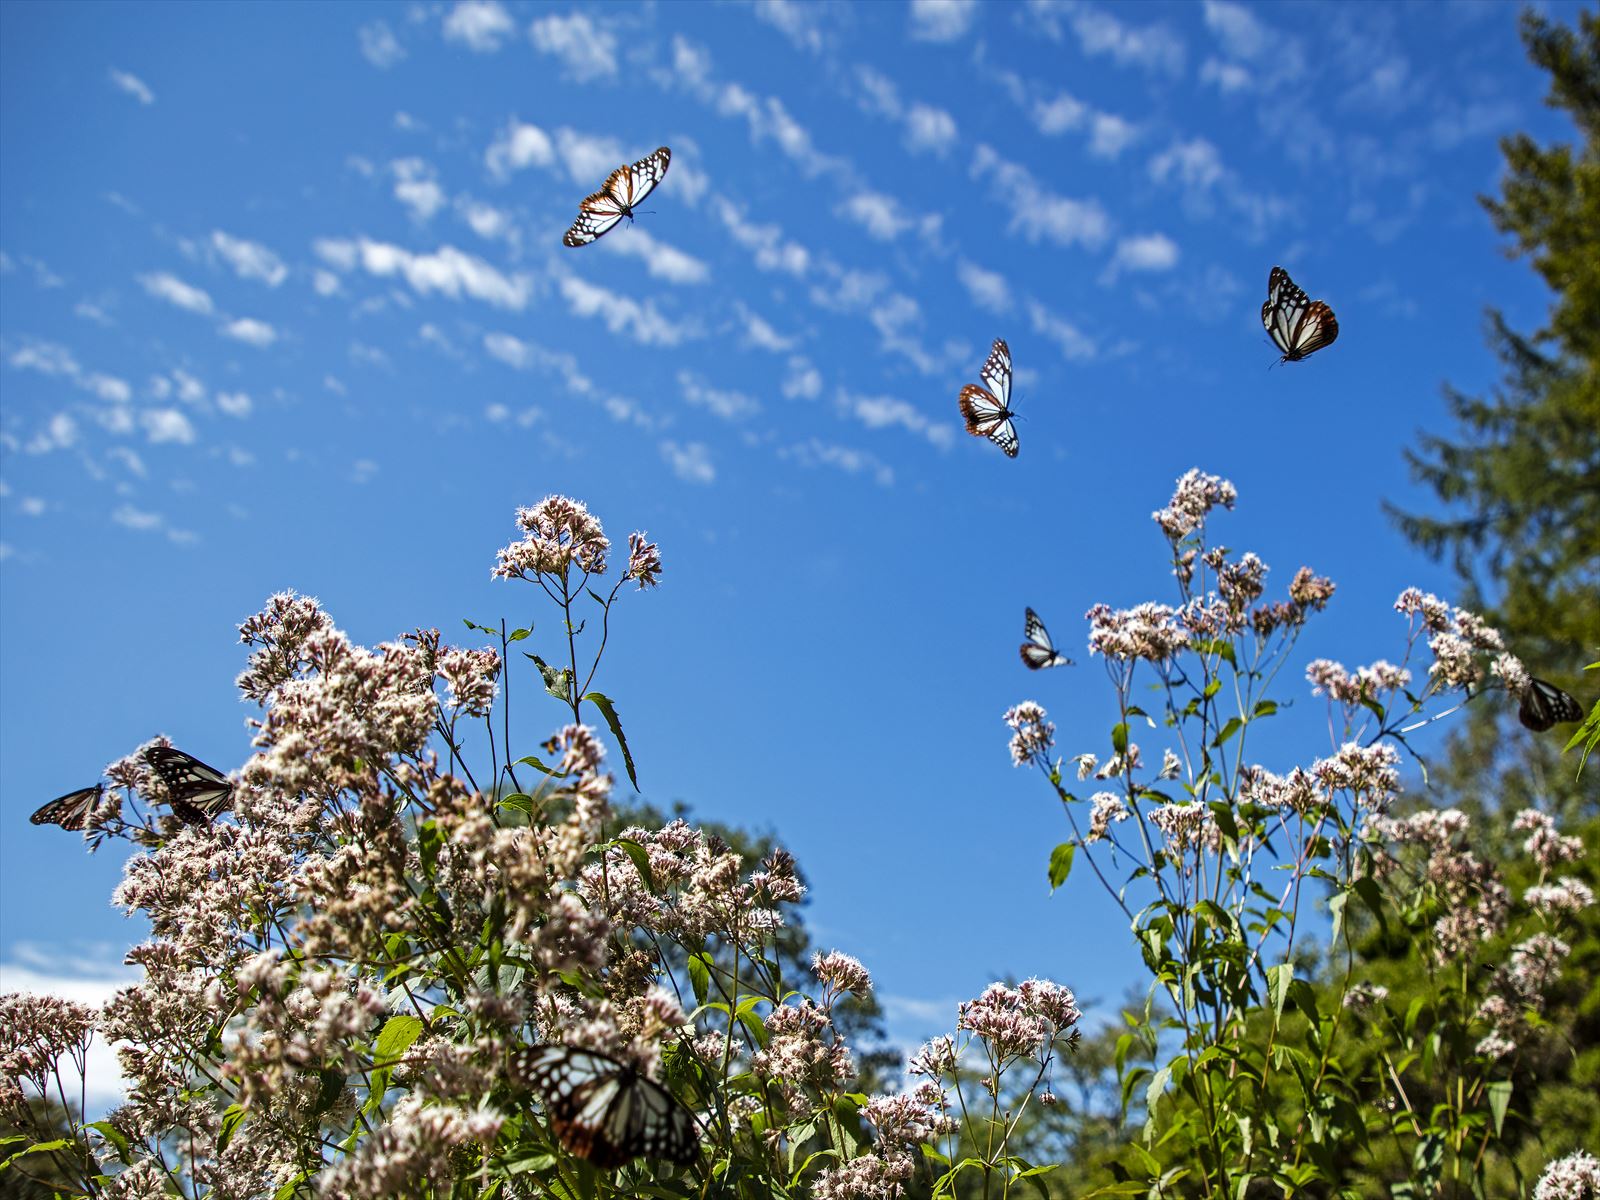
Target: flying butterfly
{"points": [[623, 189], [1297, 324], [1545, 705], [1039, 651], [604, 1110], [987, 409], [72, 811], [196, 792]]}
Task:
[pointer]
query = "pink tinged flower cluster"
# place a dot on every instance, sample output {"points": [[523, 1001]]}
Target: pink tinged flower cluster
{"points": [[1575, 1177], [1105, 807], [1547, 847], [910, 1118], [1023, 1021], [470, 676], [1196, 495], [1149, 631], [840, 973], [1297, 791], [34, 1032], [279, 633], [1031, 734], [411, 1152], [1185, 827], [1331, 679], [1563, 898], [870, 1177], [803, 1049], [644, 561], [1371, 774], [1512, 673], [560, 533]]}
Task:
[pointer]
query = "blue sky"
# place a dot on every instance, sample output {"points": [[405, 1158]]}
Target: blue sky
{"points": [[283, 304]]}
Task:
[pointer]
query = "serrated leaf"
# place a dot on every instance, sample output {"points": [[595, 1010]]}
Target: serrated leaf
{"points": [[232, 1118], [1061, 863], [398, 1033], [557, 681], [641, 862], [609, 711]]}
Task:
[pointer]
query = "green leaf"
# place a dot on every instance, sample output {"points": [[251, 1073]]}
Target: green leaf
{"points": [[113, 1135], [641, 862], [1499, 1101], [700, 976], [609, 711], [1232, 727], [516, 635], [38, 1148], [232, 1118], [1278, 980], [1119, 737], [1264, 708], [529, 760], [1061, 863], [398, 1033], [557, 681]]}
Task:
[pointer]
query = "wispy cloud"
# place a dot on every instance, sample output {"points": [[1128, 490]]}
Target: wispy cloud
{"points": [[53, 359], [690, 462], [249, 260], [1150, 47], [519, 145], [941, 20], [586, 51], [525, 355], [1037, 213], [1073, 343], [133, 85], [479, 25], [250, 331], [167, 425], [416, 185], [759, 334], [624, 314], [798, 20], [448, 271], [726, 403], [882, 412], [1146, 252], [988, 289], [879, 214], [814, 452], [165, 286], [766, 243], [379, 46], [926, 129]]}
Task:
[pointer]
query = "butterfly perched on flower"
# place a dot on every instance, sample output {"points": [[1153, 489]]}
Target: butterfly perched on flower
{"points": [[1038, 651], [623, 189], [604, 1110], [72, 811], [1298, 325], [1545, 705], [987, 408], [196, 792]]}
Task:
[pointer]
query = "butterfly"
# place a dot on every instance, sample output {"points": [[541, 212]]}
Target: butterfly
{"points": [[196, 792], [604, 1110], [622, 190], [1298, 325], [1545, 705], [72, 811], [987, 409], [1038, 651]]}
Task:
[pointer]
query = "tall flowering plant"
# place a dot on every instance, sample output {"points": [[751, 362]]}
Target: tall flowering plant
{"points": [[1220, 864], [415, 963]]}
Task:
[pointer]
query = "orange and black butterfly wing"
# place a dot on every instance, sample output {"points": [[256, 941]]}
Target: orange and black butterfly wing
{"points": [[987, 408], [623, 189]]}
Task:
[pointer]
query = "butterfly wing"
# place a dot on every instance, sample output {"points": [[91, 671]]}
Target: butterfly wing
{"points": [[604, 1110], [72, 811], [196, 791], [1298, 325], [623, 189], [987, 409], [1038, 651], [1544, 705]]}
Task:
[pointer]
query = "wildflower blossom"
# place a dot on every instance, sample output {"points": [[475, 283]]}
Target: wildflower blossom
{"points": [[1510, 669], [870, 1177], [1309, 590], [910, 1119], [1546, 845], [560, 532], [1365, 995], [1185, 827], [644, 561], [1019, 1021], [470, 675], [935, 1059], [841, 973], [1148, 631], [1171, 765], [1564, 897], [1328, 678], [1370, 773], [1575, 1177], [1196, 495], [1107, 807], [1032, 735]]}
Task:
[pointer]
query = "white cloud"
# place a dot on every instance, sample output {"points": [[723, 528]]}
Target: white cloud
{"points": [[130, 461], [164, 286], [691, 462], [586, 51], [50, 358], [1239, 32], [761, 335], [167, 425], [1228, 77], [137, 519], [518, 146], [804, 381], [661, 261], [766, 243], [103, 1083], [59, 432], [107, 387], [379, 45], [881, 412], [1036, 212], [817, 453], [447, 270], [988, 289], [929, 128], [251, 331], [235, 404], [1151, 47], [133, 85], [1195, 164], [480, 25], [1059, 115], [417, 187], [514, 352], [190, 389], [1149, 252], [326, 283], [362, 470], [32, 506], [877, 213], [1109, 135], [797, 20], [1072, 343], [249, 260], [522, 356], [725, 403], [486, 221], [642, 321], [941, 20], [588, 158]]}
